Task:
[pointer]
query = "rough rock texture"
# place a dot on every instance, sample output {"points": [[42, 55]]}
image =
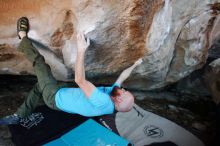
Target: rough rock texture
{"points": [[212, 79], [172, 36]]}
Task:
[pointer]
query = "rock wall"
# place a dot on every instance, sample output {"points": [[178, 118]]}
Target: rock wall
{"points": [[212, 79], [172, 37]]}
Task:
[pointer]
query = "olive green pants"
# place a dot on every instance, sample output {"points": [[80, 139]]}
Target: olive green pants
{"points": [[46, 87]]}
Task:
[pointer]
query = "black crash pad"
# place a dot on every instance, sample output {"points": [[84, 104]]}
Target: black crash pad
{"points": [[48, 125]]}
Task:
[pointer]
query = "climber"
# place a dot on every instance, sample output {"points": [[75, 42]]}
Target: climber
{"points": [[87, 100]]}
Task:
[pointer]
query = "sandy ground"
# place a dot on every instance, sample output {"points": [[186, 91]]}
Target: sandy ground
{"points": [[196, 114]]}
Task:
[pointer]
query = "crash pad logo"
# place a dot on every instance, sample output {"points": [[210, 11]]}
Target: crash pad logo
{"points": [[32, 120], [153, 131]]}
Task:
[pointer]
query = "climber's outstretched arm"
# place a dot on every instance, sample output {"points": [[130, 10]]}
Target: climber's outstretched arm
{"points": [[126, 73], [86, 86]]}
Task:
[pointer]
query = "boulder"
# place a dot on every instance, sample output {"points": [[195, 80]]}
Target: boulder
{"points": [[212, 79], [172, 37]]}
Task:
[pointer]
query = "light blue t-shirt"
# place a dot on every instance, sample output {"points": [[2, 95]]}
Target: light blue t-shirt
{"points": [[73, 100]]}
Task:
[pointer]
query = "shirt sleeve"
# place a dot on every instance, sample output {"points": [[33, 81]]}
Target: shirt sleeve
{"points": [[108, 90], [99, 99]]}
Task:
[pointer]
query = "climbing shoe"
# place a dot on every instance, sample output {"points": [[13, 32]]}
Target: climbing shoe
{"points": [[22, 25], [9, 120]]}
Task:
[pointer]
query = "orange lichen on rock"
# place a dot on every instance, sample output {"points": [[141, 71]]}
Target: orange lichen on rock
{"points": [[10, 10]]}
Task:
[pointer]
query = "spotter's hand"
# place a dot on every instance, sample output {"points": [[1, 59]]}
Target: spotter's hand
{"points": [[82, 43]]}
